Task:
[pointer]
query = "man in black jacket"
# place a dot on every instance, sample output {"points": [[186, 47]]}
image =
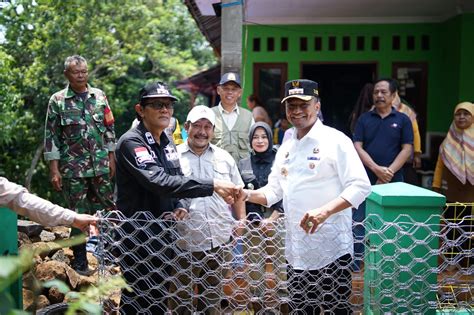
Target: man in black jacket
{"points": [[149, 178]]}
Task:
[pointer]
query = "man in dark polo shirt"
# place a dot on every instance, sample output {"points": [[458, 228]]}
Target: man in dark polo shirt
{"points": [[383, 138]]}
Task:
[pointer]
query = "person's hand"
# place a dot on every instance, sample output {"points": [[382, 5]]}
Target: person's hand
{"points": [[227, 190], [242, 194], [240, 228], [111, 165], [417, 161], [384, 174], [84, 222], [312, 219], [56, 180], [180, 214]]}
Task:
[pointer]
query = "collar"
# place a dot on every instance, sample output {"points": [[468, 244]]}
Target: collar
{"points": [[314, 131], [223, 111], [141, 129], [392, 112], [70, 92], [211, 147]]}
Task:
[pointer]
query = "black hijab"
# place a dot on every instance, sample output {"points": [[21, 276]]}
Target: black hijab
{"points": [[266, 156]]}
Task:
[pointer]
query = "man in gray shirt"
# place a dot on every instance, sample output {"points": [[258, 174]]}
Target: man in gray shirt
{"points": [[207, 233]]}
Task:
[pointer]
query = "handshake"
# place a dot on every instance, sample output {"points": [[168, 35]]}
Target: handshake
{"points": [[229, 191]]}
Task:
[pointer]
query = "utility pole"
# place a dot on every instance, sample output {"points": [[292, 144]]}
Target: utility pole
{"points": [[231, 36]]}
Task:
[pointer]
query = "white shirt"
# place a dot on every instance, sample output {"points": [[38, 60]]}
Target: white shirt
{"points": [[307, 174], [37, 209], [230, 118], [210, 223]]}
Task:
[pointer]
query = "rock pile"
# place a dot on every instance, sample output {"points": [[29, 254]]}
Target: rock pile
{"points": [[53, 263]]}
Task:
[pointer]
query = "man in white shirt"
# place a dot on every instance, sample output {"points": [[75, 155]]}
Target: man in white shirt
{"points": [[320, 177], [207, 233], [233, 122]]}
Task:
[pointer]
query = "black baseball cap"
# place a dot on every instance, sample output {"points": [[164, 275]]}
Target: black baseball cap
{"points": [[157, 89], [230, 77], [302, 89]]}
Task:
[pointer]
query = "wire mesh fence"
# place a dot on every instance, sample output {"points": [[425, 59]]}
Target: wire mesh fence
{"points": [[191, 267]]}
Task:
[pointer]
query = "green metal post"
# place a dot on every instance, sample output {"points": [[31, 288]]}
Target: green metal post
{"points": [[402, 222], [9, 246]]}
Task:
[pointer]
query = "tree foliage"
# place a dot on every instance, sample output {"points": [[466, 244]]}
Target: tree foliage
{"points": [[126, 43]]}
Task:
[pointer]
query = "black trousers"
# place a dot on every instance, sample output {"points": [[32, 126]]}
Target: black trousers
{"points": [[328, 288]]}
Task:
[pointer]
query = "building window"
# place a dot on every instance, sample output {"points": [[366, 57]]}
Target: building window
{"points": [[411, 42], [268, 84], [303, 44], [346, 43], [284, 44], [360, 43], [396, 42], [256, 44], [332, 43], [318, 43], [270, 44], [375, 43], [425, 42]]}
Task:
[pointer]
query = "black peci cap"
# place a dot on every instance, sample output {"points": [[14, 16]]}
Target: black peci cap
{"points": [[302, 89], [157, 89]]}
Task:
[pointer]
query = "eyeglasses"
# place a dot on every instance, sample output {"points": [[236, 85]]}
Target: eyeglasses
{"points": [[159, 105]]}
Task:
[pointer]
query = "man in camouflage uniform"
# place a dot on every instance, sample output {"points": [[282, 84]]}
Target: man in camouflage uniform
{"points": [[79, 145]]}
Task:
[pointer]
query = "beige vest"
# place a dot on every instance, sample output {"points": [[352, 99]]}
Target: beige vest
{"points": [[235, 141]]}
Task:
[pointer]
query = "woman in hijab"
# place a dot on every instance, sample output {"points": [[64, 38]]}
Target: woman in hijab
{"points": [[262, 240], [454, 177]]}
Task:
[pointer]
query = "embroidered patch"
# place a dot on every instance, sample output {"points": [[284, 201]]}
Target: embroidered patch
{"points": [[142, 156], [171, 153], [149, 138], [313, 158]]}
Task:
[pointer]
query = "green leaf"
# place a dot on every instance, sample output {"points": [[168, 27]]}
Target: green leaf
{"points": [[60, 285], [9, 265]]}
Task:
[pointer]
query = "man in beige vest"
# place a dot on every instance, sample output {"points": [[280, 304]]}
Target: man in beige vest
{"points": [[232, 121]]}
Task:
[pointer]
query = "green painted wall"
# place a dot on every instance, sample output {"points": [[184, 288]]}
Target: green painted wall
{"points": [[466, 77], [445, 95], [450, 68]]}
